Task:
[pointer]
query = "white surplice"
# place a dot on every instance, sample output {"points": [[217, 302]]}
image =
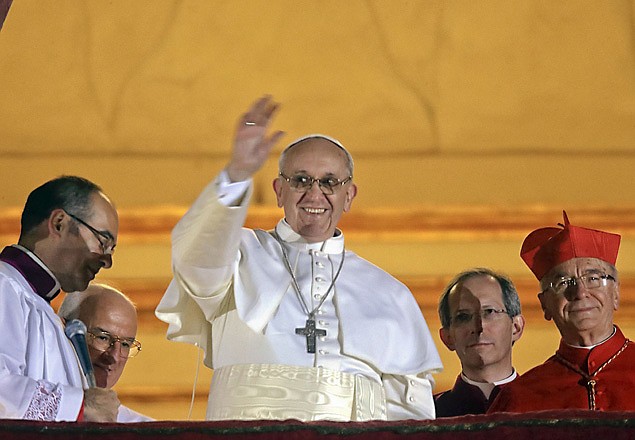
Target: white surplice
{"points": [[40, 377], [232, 296]]}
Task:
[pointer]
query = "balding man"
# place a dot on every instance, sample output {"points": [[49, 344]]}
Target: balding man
{"points": [[111, 320]]}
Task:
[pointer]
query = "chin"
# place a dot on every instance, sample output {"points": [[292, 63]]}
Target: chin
{"points": [[76, 287], [101, 376]]}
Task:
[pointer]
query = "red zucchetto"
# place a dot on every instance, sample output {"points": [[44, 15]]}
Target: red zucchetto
{"points": [[545, 248]]}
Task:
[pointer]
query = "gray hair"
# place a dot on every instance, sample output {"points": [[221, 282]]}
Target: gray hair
{"points": [[510, 295], [349, 158]]}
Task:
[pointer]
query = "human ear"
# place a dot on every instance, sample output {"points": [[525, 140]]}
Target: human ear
{"points": [[447, 338], [351, 192], [277, 188], [616, 296], [543, 304], [518, 325], [56, 221]]}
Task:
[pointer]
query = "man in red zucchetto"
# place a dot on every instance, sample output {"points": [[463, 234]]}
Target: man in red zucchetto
{"points": [[594, 366]]}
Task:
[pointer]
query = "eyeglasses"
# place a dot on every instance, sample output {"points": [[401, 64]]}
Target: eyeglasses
{"points": [[591, 280], [107, 247], [102, 340], [303, 183], [486, 315]]}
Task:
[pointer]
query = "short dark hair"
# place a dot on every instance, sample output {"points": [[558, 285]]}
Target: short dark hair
{"points": [[510, 295], [71, 193]]}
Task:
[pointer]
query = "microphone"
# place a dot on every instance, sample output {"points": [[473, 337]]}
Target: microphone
{"points": [[76, 332]]}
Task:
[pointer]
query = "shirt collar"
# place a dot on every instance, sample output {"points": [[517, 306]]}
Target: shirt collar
{"points": [[589, 347], [333, 245], [487, 387], [33, 270]]}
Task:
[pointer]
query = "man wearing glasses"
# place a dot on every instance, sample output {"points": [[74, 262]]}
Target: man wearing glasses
{"points": [[593, 366], [68, 234], [111, 320], [294, 326], [480, 320]]}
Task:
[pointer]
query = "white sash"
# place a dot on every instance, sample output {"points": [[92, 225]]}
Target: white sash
{"points": [[280, 392]]}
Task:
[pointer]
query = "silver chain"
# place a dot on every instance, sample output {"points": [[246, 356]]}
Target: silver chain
{"points": [[309, 313]]}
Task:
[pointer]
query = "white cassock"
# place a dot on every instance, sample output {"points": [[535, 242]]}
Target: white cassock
{"points": [[233, 297], [40, 378]]}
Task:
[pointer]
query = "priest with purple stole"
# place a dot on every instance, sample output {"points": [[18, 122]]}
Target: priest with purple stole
{"points": [[594, 366], [294, 325], [68, 234]]}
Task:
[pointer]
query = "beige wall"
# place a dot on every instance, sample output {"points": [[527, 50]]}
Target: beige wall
{"points": [[471, 122], [444, 102]]}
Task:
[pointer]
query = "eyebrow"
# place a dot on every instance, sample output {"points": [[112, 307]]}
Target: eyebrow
{"points": [[483, 307], [108, 234], [102, 330]]}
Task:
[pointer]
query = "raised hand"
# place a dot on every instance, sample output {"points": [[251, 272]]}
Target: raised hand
{"points": [[251, 143]]}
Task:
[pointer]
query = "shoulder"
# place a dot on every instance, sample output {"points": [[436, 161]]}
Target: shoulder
{"points": [[260, 241], [445, 404], [460, 400], [12, 283], [371, 271], [537, 378], [442, 397], [451, 395], [535, 374], [378, 285]]}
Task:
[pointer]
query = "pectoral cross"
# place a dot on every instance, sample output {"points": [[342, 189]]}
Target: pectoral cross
{"points": [[310, 332]]}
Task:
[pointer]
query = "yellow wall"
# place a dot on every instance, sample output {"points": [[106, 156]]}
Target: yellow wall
{"points": [[441, 102], [471, 123]]}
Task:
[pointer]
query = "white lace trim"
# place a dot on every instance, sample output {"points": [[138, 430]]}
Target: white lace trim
{"points": [[45, 402]]}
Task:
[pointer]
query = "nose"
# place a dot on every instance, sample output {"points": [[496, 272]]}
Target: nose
{"points": [[477, 323], [314, 190], [114, 351], [577, 291], [110, 356], [106, 261]]}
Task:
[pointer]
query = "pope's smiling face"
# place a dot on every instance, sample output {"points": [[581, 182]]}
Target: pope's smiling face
{"points": [[313, 214]]}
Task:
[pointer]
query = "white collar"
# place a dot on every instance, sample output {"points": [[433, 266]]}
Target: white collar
{"points": [[487, 387], [589, 347], [334, 245]]}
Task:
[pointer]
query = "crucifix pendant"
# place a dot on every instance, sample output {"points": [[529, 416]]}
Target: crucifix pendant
{"points": [[311, 333]]}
